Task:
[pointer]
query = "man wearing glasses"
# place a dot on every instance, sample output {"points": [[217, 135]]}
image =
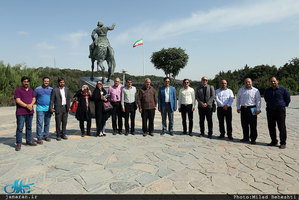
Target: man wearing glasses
{"points": [[205, 96], [115, 92], [187, 105], [129, 105], [167, 104]]}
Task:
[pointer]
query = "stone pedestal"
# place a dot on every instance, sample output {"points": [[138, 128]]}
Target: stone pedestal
{"points": [[92, 85]]}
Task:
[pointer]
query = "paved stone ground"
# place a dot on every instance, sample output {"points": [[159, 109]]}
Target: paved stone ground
{"points": [[177, 164]]}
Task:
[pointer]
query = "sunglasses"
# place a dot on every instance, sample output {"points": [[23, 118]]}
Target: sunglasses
{"points": [[186, 82], [204, 79]]}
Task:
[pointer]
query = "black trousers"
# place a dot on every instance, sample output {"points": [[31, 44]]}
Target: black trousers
{"points": [[148, 115], [277, 115], [117, 116], [206, 112], [248, 120], [81, 123], [187, 109], [130, 111], [227, 115], [61, 121]]}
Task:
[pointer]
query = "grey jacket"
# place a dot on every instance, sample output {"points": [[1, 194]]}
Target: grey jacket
{"points": [[210, 95], [56, 100]]}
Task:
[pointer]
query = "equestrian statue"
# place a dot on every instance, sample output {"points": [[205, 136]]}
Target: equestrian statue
{"points": [[100, 50]]}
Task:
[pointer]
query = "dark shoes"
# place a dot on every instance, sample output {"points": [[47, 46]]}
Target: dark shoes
{"points": [[127, 133], [282, 146], [120, 132], [64, 137], [47, 139], [220, 136], [151, 134], [253, 142], [132, 133], [82, 134], [272, 144], [18, 147], [230, 138], [114, 133], [31, 143], [244, 140], [171, 133], [202, 134], [58, 138], [39, 141], [210, 136], [144, 134], [190, 134]]}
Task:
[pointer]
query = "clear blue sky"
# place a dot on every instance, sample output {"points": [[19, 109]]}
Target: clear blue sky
{"points": [[217, 35]]}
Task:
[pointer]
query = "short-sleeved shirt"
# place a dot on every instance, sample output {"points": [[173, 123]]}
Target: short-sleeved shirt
{"points": [[26, 97], [43, 96]]}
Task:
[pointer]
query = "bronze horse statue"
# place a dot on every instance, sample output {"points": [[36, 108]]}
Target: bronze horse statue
{"points": [[100, 54]]}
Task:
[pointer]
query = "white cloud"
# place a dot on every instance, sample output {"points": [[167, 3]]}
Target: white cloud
{"points": [[45, 46], [75, 38], [23, 33], [219, 19]]}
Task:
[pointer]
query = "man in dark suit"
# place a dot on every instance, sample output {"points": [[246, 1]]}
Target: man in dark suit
{"points": [[205, 96], [60, 104]]}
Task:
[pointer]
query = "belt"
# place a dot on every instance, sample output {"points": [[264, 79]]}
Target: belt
{"points": [[248, 106], [130, 103], [167, 102]]}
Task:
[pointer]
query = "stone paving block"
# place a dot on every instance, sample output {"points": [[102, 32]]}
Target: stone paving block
{"points": [[164, 172], [95, 186], [67, 187], [127, 174], [145, 168], [118, 164], [146, 179], [172, 152], [264, 188], [93, 176], [161, 186], [122, 187]]}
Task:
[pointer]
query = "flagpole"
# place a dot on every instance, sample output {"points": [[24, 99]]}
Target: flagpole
{"points": [[143, 58]]}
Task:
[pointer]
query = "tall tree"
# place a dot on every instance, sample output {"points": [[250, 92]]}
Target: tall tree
{"points": [[170, 60]]}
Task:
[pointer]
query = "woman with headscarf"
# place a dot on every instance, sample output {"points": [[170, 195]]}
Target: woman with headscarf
{"points": [[99, 96], [83, 110]]}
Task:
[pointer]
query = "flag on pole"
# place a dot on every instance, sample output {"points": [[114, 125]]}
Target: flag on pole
{"points": [[138, 43]]}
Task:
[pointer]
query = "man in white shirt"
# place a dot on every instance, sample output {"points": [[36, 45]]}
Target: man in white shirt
{"points": [[187, 105], [60, 104], [249, 105], [224, 99], [129, 105]]}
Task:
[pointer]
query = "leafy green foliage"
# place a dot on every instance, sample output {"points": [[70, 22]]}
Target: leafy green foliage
{"points": [[10, 78], [170, 60]]}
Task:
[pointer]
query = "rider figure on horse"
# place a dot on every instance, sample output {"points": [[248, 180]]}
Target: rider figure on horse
{"points": [[99, 37]]}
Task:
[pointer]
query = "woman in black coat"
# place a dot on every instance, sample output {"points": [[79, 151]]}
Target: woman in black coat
{"points": [[83, 110], [99, 97]]}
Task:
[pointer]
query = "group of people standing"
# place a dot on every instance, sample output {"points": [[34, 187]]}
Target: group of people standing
{"points": [[125, 102]]}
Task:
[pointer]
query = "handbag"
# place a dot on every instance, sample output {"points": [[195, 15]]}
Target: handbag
{"points": [[107, 106], [74, 106]]}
